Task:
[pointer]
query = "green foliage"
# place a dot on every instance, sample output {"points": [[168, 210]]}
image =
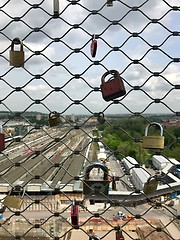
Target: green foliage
{"points": [[121, 133]]}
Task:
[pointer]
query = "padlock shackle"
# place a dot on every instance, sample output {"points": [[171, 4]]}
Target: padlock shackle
{"points": [[151, 177], [3, 209], [95, 237], [14, 189], [96, 165], [16, 41], [112, 72], [1, 129], [151, 124], [53, 114]]}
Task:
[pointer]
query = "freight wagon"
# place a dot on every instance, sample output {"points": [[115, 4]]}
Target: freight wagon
{"points": [[129, 163], [159, 162], [139, 177]]}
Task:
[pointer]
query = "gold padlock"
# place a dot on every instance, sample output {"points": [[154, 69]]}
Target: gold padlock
{"points": [[54, 119], [16, 57], [151, 185], [153, 142], [11, 200]]}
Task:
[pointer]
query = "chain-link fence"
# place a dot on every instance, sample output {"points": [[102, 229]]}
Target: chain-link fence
{"points": [[90, 119]]}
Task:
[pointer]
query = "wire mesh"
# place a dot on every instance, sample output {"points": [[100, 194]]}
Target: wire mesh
{"points": [[59, 131]]}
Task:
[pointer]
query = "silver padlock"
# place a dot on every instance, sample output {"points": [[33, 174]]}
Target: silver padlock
{"points": [[15, 197], [96, 187], [16, 57]]}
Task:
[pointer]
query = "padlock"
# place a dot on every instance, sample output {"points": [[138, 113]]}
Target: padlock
{"points": [[95, 237], [101, 118], [93, 46], [153, 142], [11, 200], [54, 119], [114, 87], [2, 209], [109, 3], [113, 183], [74, 213], [119, 235], [17, 57], [56, 7], [96, 187], [151, 185], [2, 140]]}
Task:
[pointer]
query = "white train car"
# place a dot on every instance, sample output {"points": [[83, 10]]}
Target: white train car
{"points": [[139, 177], [129, 163], [101, 147], [159, 162], [173, 161]]}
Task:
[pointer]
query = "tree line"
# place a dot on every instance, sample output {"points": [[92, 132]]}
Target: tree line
{"points": [[124, 137]]}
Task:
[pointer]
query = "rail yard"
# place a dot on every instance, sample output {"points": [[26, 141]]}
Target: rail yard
{"points": [[44, 157]]}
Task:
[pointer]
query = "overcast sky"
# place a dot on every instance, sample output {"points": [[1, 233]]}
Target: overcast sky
{"points": [[119, 35]]}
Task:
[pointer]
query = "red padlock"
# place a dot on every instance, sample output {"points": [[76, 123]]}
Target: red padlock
{"points": [[114, 87], [74, 213], [119, 235], [93, 46], [2, 140]]}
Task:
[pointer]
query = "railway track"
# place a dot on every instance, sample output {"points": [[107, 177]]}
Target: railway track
{"points": [[54, 163]]}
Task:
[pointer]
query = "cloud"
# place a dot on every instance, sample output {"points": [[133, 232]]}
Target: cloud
{"points": [[90, 70]]}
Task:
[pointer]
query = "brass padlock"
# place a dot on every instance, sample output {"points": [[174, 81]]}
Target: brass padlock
{"points": [[96, 186], [16, 57], [153, 142], [114, 87], [54, 119], [11, 200], [151, 185]]}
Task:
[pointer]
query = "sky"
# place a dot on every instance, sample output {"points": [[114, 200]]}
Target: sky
{"points": [[82, 63]]}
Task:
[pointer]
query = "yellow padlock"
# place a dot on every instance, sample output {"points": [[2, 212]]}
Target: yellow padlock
{"points": [[11, 200], [16, 57], [153, 142]]}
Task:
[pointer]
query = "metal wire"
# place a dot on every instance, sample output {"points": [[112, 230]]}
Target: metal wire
{"points": [[57, 66]]}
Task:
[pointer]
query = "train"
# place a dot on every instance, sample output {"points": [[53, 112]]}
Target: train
{"points": [[129, 163], [139, 177]]}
